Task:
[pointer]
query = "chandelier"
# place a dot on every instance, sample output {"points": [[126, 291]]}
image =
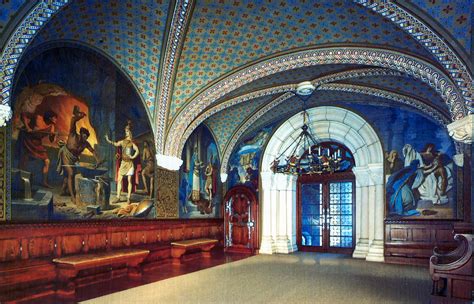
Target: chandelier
{"points": [[307, 156]]}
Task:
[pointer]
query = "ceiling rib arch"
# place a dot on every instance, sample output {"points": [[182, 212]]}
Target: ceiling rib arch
{"points": [[398, 98], [429, 39], [408, 64]]}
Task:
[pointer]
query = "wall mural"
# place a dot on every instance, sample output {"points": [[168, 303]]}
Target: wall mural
{"points": [[200, 189], [421, 177], [82, 144], [245, 159]]}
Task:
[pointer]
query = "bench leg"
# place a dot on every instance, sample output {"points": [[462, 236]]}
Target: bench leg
{"points": [[66, 283], [206, 251], [134, 270], [176, 254]]}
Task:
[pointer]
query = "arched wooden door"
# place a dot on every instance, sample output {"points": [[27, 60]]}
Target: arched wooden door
{"points": [[241, 220]]}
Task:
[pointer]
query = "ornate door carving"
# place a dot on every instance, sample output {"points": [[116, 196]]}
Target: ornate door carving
{"points": [[240, 220]]}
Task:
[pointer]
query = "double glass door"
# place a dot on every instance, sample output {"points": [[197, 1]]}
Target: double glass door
{"points": [[326, 216]]}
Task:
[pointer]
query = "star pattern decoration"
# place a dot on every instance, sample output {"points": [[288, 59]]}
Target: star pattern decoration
{"points": [[131, 34], [453, 16], [403, 85], [292, 76], [224, 123], [225, 35], [9, 8]]}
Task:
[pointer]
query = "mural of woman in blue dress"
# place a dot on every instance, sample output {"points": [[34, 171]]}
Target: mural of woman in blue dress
{"points": [[399, 187]]}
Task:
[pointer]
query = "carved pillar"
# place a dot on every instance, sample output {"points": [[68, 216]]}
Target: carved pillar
{"points": [[291, 213], [167, 199], [362, 204], [3, 172], [462, 131], [281, 213], [376, 244], [266, 245]]}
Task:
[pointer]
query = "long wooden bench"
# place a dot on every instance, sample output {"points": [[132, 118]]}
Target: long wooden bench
{"points": [[67, 268], [202, 246]]}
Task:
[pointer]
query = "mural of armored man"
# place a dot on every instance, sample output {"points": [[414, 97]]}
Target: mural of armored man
{"points": [[127, 156]]}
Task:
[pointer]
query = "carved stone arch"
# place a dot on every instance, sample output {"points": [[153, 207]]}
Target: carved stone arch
{"points": [[179, 131], [278, 196]]}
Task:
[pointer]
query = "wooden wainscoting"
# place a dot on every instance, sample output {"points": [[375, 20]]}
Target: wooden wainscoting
{"points": [[412, 242], [27, 250]]}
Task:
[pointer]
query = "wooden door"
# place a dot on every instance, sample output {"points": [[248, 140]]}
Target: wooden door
{"points": [[240, 220], [326, 213]]}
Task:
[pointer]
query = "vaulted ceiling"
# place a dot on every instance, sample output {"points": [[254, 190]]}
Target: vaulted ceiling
{"points": [[232, 64]]}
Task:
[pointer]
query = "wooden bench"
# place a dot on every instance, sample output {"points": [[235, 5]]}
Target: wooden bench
{"points": [[67, 268], [453, 272], [203, 246]]}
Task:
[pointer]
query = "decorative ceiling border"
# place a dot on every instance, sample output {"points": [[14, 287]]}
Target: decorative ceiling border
{"points": [[174, 44], [398, 98], [19, 40], [429, 39], [363, 72], [410, 65]]}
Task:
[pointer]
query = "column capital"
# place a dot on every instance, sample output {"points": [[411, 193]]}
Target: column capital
{"points": [[5, 114], [376, 173], [362, 175], [462, 130]]}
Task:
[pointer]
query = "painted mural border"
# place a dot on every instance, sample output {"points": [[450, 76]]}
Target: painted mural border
{"points": [[180, 21]]}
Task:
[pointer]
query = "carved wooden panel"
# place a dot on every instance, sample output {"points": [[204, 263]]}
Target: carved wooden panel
{"points": [[119, 239], [151, 236], [412, 242], [72, 244], [136, 237], [97, 241], [9, 250], [166, 202], [40, 247]]}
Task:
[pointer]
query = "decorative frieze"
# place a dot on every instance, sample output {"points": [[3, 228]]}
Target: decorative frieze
{"points": [[167, 194]]}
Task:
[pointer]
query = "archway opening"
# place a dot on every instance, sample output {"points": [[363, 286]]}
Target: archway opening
{"points": [[279, 191]]}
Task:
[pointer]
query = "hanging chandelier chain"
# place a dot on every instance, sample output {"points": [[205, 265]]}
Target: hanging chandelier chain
{"points": [[308, 156]]}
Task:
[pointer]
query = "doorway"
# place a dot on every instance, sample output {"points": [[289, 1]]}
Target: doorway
{"points": [[325, 213]]}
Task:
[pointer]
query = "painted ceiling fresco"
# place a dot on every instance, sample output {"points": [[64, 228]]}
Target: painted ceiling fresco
{"points": [[453, 16], [224, 123], [294, 105], [113, 27], [224, 36], [404, 85], [291, 77], [9, 9]]}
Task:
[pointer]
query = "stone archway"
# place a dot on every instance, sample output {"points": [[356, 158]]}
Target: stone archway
{"points": [[278, 198]]}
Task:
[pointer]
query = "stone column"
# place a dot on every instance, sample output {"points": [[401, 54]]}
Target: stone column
{"points": [[462, 130], [362, 210], [376, 245], [281, 239], [266, 244], [291, 213]]}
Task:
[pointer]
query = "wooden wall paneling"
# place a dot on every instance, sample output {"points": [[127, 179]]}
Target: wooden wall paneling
{"points": [[72, 244], [136, 238], [41, 247], [24, 249], [118, 240], [9, 250], [97, 241]]}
